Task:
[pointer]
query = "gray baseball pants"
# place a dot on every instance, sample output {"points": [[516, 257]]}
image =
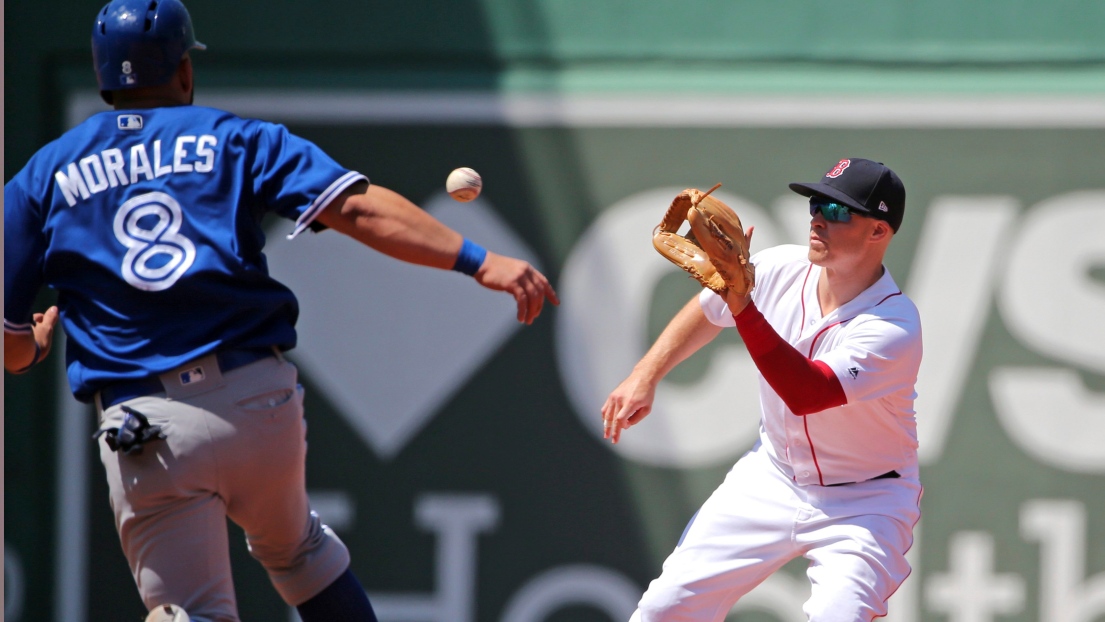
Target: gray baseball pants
{"points": [[235, 447]]}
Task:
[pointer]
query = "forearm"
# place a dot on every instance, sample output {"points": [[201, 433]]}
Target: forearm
{"points": [[19, 351], [631, 401], [806, 386], [684, 335], [387, 222]]}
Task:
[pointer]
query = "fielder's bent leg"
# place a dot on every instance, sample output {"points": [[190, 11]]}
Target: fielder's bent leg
{"points": [[851, 582], [738, 538], [857, 563]]}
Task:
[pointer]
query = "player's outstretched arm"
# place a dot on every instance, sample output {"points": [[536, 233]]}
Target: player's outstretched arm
{"points": [[388, 222], [23, 350], [632, 400]]}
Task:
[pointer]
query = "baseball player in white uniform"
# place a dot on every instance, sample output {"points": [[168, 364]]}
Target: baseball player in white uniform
{"points": [[834, 475]]}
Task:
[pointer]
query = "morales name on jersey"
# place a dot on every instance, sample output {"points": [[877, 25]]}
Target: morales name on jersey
{"points": [[111, 168]]}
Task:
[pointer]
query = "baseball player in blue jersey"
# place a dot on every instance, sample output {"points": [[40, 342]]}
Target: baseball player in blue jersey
{"points": [[146, 221], [834, 476]]}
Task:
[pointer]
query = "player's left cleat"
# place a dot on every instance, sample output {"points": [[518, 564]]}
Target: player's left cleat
{"points": [[168, 613]]}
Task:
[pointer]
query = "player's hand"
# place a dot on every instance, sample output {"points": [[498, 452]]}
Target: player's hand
{"points": [[518, 278], [19, 349], [627, 405], [44, 330]]}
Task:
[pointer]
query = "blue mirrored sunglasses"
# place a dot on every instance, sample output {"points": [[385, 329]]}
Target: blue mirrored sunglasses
{"points": [[833, 212]]}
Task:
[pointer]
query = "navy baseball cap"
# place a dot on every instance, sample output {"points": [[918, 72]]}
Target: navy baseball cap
{"points": [[865, 186]]}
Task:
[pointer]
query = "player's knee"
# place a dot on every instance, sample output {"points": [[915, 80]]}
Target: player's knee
{"points": [[296, 572], [858, 605], [667, 605], [292, 556]]}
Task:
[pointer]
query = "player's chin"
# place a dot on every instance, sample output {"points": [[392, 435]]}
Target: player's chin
{"points": [[818, 251]]}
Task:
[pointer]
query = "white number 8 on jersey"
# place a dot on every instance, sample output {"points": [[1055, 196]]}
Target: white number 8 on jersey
{"points": [[157, 255]]}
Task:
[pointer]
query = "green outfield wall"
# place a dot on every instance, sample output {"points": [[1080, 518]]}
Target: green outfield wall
{"points": [[458, 454]]}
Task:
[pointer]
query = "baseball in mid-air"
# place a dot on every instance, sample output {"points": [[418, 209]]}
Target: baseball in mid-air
{"points": [[464, 184]]}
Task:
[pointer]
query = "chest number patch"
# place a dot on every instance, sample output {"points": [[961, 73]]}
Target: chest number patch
{"points": [[157, 254]]}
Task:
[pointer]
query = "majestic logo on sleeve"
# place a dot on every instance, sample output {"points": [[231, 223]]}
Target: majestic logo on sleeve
{"points": [[157, 254], [853, 372], [838, 170]]}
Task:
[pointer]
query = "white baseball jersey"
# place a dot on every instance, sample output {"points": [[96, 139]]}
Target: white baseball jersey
{"points": [[872, 344]]}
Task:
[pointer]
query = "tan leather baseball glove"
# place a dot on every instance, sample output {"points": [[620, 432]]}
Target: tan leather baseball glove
{"points": [[715, 250]]}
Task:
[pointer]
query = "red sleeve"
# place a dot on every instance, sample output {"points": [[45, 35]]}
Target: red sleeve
{"points": [[806, 386]]}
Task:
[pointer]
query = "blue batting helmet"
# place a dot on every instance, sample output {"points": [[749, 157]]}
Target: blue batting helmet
{"points": [[138, 43]]}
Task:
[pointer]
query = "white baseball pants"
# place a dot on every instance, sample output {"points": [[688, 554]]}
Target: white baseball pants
{"points": [[855, 537]]}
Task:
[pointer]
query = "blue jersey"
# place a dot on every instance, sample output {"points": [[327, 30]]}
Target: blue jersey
{"points": [[148, 225]]}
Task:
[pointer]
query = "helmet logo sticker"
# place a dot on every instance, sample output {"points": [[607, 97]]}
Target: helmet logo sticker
{"points": [[838, 170], [128, 76]]}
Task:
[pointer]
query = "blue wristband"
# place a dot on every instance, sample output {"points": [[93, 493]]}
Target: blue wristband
{"points": [[470, 257]]}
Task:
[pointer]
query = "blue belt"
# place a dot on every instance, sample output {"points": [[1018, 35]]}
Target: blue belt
{"points": [[228, 359]]}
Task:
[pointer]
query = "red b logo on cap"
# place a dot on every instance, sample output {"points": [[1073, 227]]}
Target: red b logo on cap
{"points": [[838, 170]]}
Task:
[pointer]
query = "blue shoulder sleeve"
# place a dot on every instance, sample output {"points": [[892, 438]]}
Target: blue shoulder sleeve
{"points": [[296, 179]]}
